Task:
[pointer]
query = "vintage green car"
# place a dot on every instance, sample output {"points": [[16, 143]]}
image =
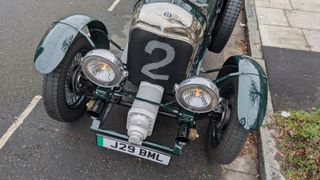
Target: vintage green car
{"points": [[163, 60]]}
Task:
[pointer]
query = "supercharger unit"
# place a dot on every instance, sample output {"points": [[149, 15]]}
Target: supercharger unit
{"points": [[142, 115]]}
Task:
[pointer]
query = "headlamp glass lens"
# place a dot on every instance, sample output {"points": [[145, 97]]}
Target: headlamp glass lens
{"points": [[101, 71], [196, 98]]}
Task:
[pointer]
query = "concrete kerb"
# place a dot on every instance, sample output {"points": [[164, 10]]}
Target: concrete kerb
{"points": [[269, 166], [253, 30]]}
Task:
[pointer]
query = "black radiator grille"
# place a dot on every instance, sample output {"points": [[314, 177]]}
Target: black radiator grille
{"points": [[156, 59]]}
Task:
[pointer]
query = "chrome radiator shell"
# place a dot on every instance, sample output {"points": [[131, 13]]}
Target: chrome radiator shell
{"points": [[163, 41], [170, 21]]}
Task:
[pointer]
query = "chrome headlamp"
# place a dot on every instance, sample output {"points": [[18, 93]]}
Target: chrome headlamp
{"points": [[197, 94], [103, 68]]}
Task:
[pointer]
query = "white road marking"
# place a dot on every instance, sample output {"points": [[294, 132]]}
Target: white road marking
{"points": [[115, 3], [19, 121]]}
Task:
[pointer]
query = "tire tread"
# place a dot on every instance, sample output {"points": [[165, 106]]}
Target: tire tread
{"points": [[234, 135], [53, 86], [225, 25]]}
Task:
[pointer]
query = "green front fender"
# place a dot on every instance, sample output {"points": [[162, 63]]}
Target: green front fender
{"points": [[252, 90], [56, 42]]}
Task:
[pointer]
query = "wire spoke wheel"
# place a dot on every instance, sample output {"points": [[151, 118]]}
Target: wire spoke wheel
{"points": [[72, 98], [62, 97]]}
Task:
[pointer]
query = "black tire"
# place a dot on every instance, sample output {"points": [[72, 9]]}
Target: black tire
{"points": [[233, 134], [56, 85], [224, 25]]}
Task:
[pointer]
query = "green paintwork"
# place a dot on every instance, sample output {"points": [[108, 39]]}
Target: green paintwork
{"points": [[56, 42], [204, 16], [252, 91], [177, 149], [99, 140], [187, 117]]}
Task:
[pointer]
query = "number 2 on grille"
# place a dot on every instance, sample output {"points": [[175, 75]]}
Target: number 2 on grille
{"points": [[170, 54]]}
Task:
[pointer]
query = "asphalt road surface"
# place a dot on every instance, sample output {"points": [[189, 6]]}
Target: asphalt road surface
{"points": [[294, 78], [44, 149]]}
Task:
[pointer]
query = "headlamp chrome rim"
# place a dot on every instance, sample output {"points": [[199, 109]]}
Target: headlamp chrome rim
{"points": [[203, 84], [108, 58]]}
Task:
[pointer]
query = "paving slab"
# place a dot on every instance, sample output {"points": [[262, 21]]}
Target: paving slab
{"points": [[241, 164], [267, 16], [283, 37], [238, 175], [303, 19], [313, 38], [281, 4], [294, 78], [306, 5]]}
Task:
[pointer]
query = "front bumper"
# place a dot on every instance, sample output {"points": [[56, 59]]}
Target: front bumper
{"points": [[176, 150]]}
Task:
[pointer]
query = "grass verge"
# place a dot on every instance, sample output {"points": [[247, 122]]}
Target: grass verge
{"points": [[298, 139]]}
